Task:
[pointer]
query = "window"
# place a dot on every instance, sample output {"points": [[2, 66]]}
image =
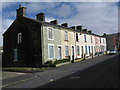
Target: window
{"points": [[59, 53], [100, 40], [50, 33], [103, 40], [78, 50], [86, 49], [76, 36], [91, 40], [51, 51], [19, 38], [15, 55], [85, 38], [66, 35], [66, 50]]}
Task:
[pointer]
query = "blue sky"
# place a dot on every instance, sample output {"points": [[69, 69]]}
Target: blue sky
{"points": [[100, 17]]}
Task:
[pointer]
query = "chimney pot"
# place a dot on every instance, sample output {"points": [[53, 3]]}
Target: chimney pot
{"points": [[41, 16], [89, 31], [85, 30], [54, 22], [79, 27], [21, 11], [65, 24], [73, 27]]}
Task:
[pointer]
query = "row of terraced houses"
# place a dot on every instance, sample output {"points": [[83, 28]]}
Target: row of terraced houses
{"points": [[34, 42]]}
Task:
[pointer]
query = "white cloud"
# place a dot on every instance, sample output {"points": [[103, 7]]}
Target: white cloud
{"points": [[38, 7], [100, 17], [60, 1]]}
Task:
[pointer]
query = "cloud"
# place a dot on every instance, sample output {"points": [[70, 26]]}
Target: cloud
{"points": [[97, 16], [40, 6], [100, 17], [64, 11]]}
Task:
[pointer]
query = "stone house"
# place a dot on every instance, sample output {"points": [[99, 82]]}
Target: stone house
{"points": [[33, 42], [113, 41]]}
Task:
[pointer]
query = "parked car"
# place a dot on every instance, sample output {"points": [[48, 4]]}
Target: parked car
{"points": [[112, 52], [98, 53]]}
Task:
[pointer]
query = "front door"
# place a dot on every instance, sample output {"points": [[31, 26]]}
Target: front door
{"points": [[89, 51], [72, 52], [59, 53], [82, 51]]}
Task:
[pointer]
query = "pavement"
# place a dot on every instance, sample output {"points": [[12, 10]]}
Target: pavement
{"points": [[46, 76]]}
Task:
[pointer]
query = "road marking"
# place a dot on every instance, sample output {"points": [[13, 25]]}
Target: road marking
{"points": [[51, 80], [16, 82]]}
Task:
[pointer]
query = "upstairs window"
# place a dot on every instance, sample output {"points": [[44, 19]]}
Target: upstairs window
{"points": [[91, 40], [100, 40], [19, 38], [85, 38], [50, 33], [103, 40], [66, 35], [76, 36]]}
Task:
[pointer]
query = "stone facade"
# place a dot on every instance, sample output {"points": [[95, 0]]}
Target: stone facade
{"points": [[33, 42], [113, 41]]}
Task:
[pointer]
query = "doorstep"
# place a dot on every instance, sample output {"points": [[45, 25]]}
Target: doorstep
{"points": [[79, 60], [61, 64]]}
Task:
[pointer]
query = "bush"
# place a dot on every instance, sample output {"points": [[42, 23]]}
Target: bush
{"points": [[61, 61]]}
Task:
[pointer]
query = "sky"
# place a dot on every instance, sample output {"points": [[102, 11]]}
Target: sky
{"points": [[100, 17]]}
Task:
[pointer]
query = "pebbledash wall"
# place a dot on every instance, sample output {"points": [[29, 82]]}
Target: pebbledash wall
{"points": [[49, 41]]}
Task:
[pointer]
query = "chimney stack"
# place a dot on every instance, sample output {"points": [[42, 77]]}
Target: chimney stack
{"points": [[65, 24], [73, 27], [54, 22], [85, 30], [41, 16], [90, 31], [79, 27], [21, 11]]}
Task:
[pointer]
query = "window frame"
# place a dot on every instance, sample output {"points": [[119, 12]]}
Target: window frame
{"points": [[78, 50], [66, 35], [49, 51], [48, 33], [85, 38], [15, 55], [19, 38], [66, 51], [77, 37]]}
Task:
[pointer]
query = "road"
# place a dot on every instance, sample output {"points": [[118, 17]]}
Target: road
{"points": [[99, 72], [101, 75]]}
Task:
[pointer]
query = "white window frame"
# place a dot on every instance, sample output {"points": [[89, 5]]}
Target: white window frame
{"points": [[52, 33], [53, 50], [77, 37], [61, 50], [15, 55], [78, 51], [91, 39], [66, 35], [85, 38], [19, 38], [68, 50]]}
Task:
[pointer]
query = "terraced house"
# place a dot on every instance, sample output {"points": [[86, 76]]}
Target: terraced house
{"points": [[35, 42]]}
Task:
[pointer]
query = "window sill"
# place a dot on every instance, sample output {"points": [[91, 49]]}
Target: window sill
{"points": [[66, 40]]}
